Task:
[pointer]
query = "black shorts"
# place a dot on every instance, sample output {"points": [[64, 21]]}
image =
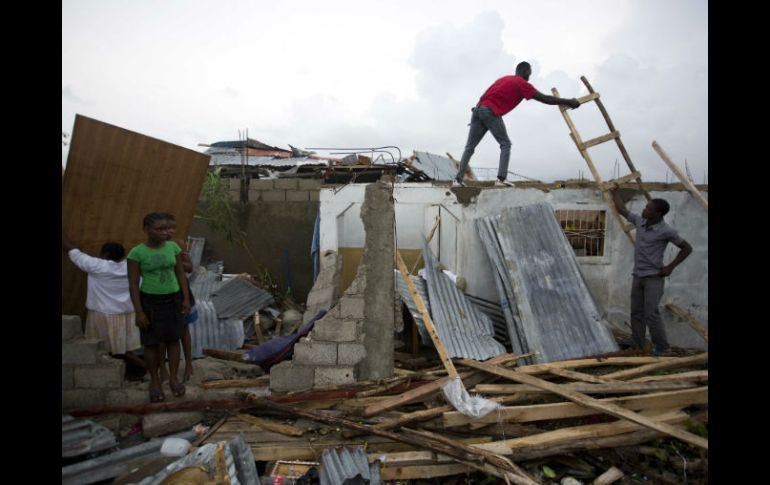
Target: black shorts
{"points": [[164, 313]]}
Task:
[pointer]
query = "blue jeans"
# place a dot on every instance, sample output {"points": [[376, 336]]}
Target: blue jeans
{"points": [[646, 293], [484, 119]]}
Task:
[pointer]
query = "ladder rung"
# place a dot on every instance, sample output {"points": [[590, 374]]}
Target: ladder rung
{"points": [[600, 139], [612, 183], [588, 98]]}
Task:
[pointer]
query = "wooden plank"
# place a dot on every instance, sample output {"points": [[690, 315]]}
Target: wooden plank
{"points": [[430, 236], [588, 97], [681, 176], [271, 425], [427, 321], [579, 376], [692, 376], [590, 402], [695, 324], [562, 410], [226, 355], [228, 383], [114, 178], [415, 472], [588, 388], [258, 335], [619, 181], [600, 139], [671, 364], [590, 362], [565, 435]]}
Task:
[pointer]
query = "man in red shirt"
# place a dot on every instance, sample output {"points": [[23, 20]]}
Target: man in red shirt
{"points": [[501, 97]]}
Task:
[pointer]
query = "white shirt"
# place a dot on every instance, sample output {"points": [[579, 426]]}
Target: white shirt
{"points": [[107, 283]]}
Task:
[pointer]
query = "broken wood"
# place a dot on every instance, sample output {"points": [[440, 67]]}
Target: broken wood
{"points": [[608, 477], [159, 407], [695, 324], [381, 389], [579, 376], [681, 176], [691, 376], [258, 329], [562, 410], [268, 425], [590, 402], [208, 433], [225, 355], [489, 463], [592, 362], [669, 364], [543, 441], [227, 383], [609, 388]]}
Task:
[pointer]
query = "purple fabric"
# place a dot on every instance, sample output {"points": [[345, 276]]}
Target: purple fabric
{"points": [[279, 349]]}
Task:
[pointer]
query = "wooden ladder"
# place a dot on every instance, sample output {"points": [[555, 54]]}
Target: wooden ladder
{"points": [[583, 147]]}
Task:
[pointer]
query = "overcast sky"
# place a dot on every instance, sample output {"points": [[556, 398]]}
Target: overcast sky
{"points": [[399, 72]]}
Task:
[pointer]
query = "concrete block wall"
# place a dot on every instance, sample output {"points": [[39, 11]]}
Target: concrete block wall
{"points": [[88, 373], [279, 190]]}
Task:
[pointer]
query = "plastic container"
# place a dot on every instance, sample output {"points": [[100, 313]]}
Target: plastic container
{"points": [[175, 447]]}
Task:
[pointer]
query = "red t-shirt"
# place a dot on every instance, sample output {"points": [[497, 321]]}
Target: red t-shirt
{"points": [[506, 93]]}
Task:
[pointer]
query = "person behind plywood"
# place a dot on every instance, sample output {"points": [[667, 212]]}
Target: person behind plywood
{"points": [[652, 237], [497, 101], [111, 316], [161, 302], [191, 317]]}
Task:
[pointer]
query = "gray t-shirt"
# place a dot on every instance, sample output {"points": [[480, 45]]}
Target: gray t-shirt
{"points": [[650, 244]]}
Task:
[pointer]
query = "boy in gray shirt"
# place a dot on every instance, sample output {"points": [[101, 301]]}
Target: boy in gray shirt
{"points": [[651, 238]]}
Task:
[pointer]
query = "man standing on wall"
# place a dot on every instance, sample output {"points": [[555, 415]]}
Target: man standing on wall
{"points": [[504, 95], [652, 237]]}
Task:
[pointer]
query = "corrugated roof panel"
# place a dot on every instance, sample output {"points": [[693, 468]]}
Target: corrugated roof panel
{"points": [[340, 464], [406, 297], [238, 298], [211, 332], [558, 315], [196, 250], [81, 436], [463, 329], [435, 166]]}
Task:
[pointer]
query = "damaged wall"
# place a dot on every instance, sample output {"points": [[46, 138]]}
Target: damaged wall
{"points": [[458, 246]]}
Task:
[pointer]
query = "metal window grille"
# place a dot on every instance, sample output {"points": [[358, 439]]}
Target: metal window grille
{"points": [[585, 230]]}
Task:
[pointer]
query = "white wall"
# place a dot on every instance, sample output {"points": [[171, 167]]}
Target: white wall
{"points": [[459, 248]]}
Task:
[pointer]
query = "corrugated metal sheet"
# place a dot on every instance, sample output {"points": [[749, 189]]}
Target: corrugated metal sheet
{"points": [[338, 465], [495, 313], [406, 297], [196, 250], [235, 158], [211, 332], [81, 436], [114, 178], [558, 315], [435, 166], [463, 329], [238, 298], [204, 282]]}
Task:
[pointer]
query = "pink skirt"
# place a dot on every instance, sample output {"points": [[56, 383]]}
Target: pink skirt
{"points": [[118, 331]]}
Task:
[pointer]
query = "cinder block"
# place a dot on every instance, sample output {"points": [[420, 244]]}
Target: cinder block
{"points": [[297, 196], [106, 375], [352, 307], [334, 376], [81, 351], [335, 330], [315, 195], [131, 395], [273, 196], [81, 398], [321, 296], [287, 376], [161, 424], [261, 185], [67, 377], [71, 327], [310, 352], [286, 184], [309, 184], [350, 353]]}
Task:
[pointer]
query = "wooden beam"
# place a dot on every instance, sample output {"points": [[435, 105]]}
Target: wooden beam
{"points": [[670, 364], [601, 139], [618, 181], [579, 376], [608, 388], [268, 425], [590, 362], [590, 402], [416, 472], [695, 324], [228, 383], [226, 355], [681, 176], [562, 410], [566, 435], [692, 376], [258, 329]]}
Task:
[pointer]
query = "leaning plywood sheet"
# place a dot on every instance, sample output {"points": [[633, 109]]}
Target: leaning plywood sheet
{"points": [[558, 316], [462, 327], [115, 177]]}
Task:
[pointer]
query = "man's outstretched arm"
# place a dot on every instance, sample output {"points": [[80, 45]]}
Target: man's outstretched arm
{"points": [[619, 205], [546, 99]]}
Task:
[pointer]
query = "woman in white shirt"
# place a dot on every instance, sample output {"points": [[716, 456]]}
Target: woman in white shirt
{"points": [[110, 311]]}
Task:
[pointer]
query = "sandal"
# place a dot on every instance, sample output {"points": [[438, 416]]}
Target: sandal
{"points": [[156, 395], [177, 389]]}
